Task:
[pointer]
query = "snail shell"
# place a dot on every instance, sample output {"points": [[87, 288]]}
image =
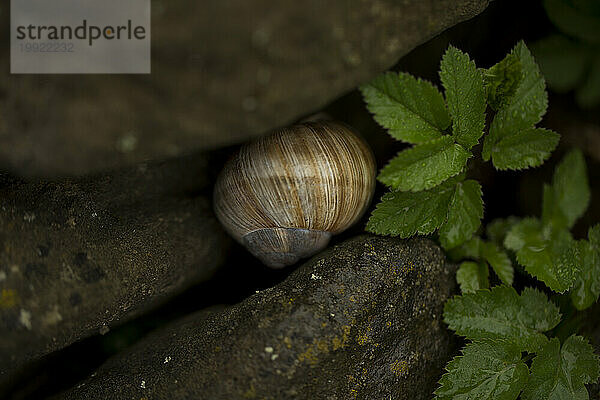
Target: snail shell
{"points": [[284, 195]]}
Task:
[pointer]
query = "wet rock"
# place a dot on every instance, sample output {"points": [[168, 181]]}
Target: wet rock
{"points": [[362, 320], [79, 256], [221, 72]]}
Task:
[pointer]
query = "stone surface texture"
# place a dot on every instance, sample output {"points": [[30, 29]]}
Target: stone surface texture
{"points": [[362, 320], [78, 256], [222, 71]]}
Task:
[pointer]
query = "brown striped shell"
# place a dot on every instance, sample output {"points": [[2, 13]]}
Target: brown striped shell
{"points": [[284, 195]]}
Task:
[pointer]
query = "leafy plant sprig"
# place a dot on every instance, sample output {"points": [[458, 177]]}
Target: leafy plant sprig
{"points": [[429, 190], [502, 325], [544, 246], [509, 352]]}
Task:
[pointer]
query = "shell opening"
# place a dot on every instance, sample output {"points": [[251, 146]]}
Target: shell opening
{"points": [[280, 247]]}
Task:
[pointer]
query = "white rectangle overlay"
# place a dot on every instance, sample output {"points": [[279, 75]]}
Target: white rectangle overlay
{"points": [[80, 37]]}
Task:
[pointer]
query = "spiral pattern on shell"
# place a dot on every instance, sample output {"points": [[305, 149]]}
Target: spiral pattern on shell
{"points": [[285, 194]]}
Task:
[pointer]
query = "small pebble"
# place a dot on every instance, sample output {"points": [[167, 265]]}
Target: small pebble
{"points": [[104, 329], [25, 318]]}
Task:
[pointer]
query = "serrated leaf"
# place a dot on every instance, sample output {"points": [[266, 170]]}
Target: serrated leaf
{"points": [[464, 214], [406, 213], [497, 229], [413, 110], [561, 373], [487, 369], [425, 165], [569, 196], [550, 256], [572, 21], [472, 276], [501, 81], [499, 261], [586, 289], [525, 108], [525, 149], [500, 313], [465, 96]]}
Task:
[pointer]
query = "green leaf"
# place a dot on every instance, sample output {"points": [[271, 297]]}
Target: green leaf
{"points": [[487, 369], [472, 276], [502, 80], [561, 373], [552, 215], [407, 213], [572, 21], [586, 289], [425, 165], [549, 256], [468, 250], [528, 148], [464, 214], [497, 229], [569, 196], [499, 261], [411, 109], [562, 61], [524, 109], [594, 237], [570, 184], [522, 233], [500, 313], [465, 96]]}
